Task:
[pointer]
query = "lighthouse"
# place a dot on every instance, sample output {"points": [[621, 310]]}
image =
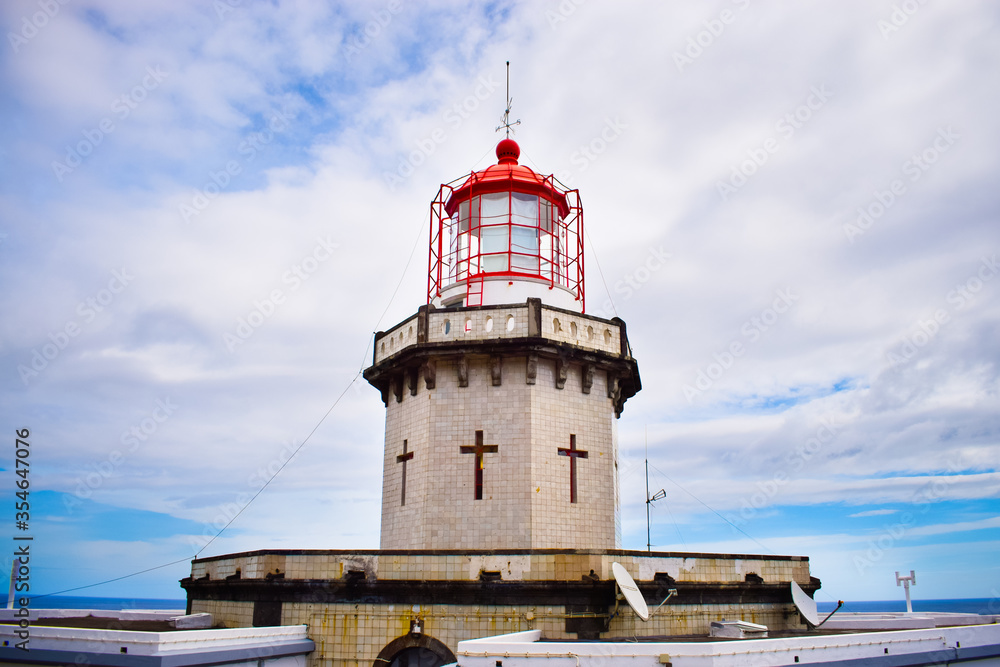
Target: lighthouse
{"points": [[501, 392], [500, 465]]}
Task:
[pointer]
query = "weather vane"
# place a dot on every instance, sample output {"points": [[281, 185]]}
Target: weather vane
{"points": [[506, 114]]}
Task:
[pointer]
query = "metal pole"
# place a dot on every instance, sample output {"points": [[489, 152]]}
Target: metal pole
{"points": [[506, 116], [905, 582], [649, 546]]}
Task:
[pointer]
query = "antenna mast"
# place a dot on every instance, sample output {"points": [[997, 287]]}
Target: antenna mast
{"points": [[659, 495], [506, 124], [649, 546], [905, 582]]}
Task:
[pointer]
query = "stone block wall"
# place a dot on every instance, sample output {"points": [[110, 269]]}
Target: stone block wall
{"points": [[526, 497]]}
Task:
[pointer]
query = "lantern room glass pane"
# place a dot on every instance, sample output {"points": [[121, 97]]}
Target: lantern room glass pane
{"points": [[524, 209], [524, 240], [452, 259], [494, 240], [465, 240], [546, 216], [463, 216], [495, 208], [525, 264]]}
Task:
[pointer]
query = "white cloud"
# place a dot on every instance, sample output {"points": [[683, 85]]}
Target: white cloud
{"points": [[881, 512]]}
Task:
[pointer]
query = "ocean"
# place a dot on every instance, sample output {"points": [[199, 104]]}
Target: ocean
{"points": [[72, 602], [970, 606]]}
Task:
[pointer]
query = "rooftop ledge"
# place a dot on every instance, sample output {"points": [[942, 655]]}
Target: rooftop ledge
{"points": [[532, 319], [496, 552]]}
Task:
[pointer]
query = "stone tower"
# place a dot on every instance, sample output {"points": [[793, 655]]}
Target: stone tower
{"points": [[501, 393]]}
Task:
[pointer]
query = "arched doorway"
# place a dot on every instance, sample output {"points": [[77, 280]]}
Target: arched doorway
{"points": [[416, 656], [414, 650]]}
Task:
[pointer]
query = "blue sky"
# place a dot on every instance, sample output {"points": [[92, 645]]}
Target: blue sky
{"points": [[818, 351]]}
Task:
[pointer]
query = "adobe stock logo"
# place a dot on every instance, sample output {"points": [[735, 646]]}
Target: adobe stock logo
{"points": [[294, 277], [786, 126], [30, 27], [900, 16], [924, 331], [914, 168], [249, 148], [454, 117], [633, 281], [794, 461], [60, 339], [589, 152], [122, 107], [370, 31], [752, 330], [705, 38], [134, 437], [566, 9]]}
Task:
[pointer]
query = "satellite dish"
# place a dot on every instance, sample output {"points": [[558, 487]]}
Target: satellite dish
{"points": [[806, 605], [630, 591]]}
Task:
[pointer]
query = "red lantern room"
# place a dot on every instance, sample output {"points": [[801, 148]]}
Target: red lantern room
{"points": [[505, 234]]}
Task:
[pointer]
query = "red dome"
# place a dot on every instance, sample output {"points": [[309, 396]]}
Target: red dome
{"points": [[508, 175]]}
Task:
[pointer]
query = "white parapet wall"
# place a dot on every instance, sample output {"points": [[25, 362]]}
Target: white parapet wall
{"points": [[169, 616], [281, 646], [980, 643], [503, 322]]}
